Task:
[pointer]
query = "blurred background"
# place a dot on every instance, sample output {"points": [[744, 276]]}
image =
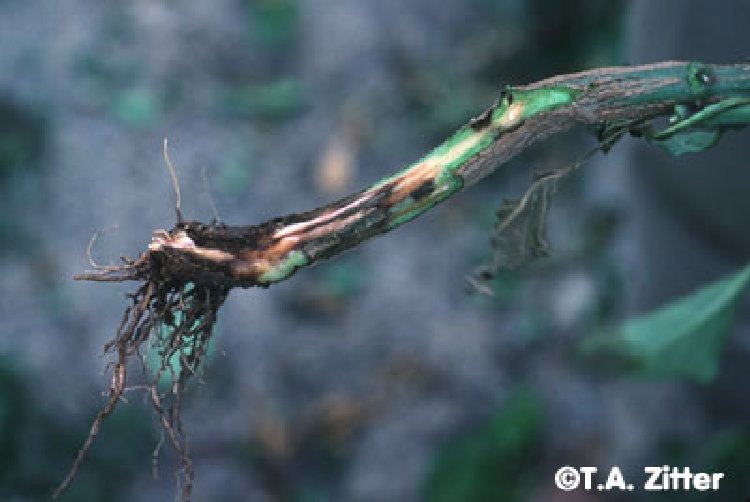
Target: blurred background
{"points": [[376, 375]]}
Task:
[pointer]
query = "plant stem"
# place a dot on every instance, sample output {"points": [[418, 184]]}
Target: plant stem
{"points": [[259, 255]]}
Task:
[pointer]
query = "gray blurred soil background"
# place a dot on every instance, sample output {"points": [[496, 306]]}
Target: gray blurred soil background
{"points": [[352, 380]]}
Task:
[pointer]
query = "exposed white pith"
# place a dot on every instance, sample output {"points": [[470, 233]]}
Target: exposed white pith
{"points": [[512, 117], [161, 239], [324, 218]]}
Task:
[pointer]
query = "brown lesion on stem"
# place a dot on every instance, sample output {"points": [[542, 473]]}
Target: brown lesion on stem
{"points": [[239, 256], [243, 256]]}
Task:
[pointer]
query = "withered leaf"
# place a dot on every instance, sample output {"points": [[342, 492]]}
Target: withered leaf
{"points": [[520, 234]]}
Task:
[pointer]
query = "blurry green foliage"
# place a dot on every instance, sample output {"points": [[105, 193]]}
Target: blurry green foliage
{"points": [[273, 22], [312, 493], [325, 293], [117, 87], [442, 97], [22, 138], [36, 447], [683, 339], [729, 452], [726, 451], [320, 465], [235, 173], [558, 38], [13, 412], [137, 108], [343, 279], [99, 76], [276, 99], [494, 462]]}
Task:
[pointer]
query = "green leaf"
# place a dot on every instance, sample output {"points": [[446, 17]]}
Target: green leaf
{"points": [[701, 130], [738, 116], [689, 142], [496, 461], [684, 339]]}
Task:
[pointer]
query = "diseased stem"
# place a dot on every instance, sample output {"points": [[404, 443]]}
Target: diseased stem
{"points": [[259, 255], [187, 272]]}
